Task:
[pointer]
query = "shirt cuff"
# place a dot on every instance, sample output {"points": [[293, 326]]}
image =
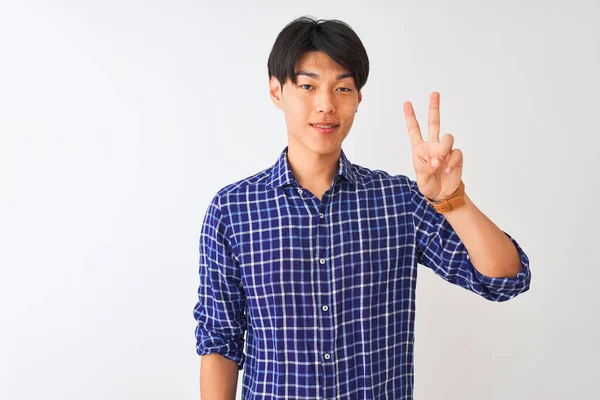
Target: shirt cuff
{"points": [[521, 281], [209, 343]]}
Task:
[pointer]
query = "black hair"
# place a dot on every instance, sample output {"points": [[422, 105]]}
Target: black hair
{"points": [[333, 37]]}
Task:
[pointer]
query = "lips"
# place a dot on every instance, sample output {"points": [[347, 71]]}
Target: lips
{"points": [[322, 128], [325, 126]]}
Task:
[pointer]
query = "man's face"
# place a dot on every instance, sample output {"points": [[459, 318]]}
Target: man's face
{"points": [[324, 94]]}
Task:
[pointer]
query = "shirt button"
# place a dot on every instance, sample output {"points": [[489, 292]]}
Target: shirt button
{"points": [[327, 356], [324, 308], [322, 215], [300, 191], [322, 261]]}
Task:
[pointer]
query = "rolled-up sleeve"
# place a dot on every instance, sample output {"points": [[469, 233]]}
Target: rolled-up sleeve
{"points": [[220, 310], [439, 248]]}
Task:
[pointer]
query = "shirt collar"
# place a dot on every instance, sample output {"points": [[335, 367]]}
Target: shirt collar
{"points": [[281, 173]]}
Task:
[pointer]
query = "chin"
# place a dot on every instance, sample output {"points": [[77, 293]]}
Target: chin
{"points": [[318, 144]]}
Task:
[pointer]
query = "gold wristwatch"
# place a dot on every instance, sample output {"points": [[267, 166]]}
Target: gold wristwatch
{"points": [[454, 201]]}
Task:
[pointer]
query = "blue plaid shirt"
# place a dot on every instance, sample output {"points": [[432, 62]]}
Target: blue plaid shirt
{"points": [[325, 290]]}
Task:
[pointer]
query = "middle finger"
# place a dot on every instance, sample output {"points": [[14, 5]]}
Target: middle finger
{"points": [[434, 117]]}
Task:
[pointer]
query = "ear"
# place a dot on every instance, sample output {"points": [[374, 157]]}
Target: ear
{"points": [[275, 91], [359, 97]]}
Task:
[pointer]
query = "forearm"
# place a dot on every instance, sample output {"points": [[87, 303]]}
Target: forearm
{"points": [[218, 377], [490, 250]]}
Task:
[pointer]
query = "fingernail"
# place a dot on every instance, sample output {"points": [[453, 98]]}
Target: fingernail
{"points": [[448, 170], [435, 162]]}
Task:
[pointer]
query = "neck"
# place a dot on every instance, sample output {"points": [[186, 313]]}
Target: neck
{"points": [[313, 170]]}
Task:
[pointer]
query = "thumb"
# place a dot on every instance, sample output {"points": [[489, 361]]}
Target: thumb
{"points": [[431, 166]]}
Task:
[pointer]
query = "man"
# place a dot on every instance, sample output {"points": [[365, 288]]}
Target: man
{"points": [[315, 258]]}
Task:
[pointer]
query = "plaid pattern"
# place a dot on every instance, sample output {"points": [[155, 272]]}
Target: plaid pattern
{"points": [[325, 290]]}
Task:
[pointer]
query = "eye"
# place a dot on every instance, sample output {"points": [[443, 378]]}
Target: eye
{"points": [[303, 86], [345, 89]]}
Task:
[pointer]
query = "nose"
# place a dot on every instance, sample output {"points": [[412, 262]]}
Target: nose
{"points": [[325, 103]]}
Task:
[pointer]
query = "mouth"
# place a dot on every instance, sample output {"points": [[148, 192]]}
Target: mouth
{"points": [[325, 128]]}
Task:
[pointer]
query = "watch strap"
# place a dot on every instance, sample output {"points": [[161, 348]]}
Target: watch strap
{"points": [[452, 202]]}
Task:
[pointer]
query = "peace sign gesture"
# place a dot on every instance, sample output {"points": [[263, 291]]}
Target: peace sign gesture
{"points": [[438, 167]]}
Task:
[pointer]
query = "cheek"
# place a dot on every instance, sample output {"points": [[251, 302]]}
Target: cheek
{"points": [[297, 112]]}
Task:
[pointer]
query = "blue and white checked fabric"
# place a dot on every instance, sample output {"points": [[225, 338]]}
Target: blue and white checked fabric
{"points": [[325, 290]]}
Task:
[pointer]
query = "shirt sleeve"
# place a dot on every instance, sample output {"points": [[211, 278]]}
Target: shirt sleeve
{"points": [[220, 310], [439, 248]]}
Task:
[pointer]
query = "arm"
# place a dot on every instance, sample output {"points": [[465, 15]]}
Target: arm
{"points": [[447, 243], [492, 253], [220, 310], [439, 247], [218, 377]]}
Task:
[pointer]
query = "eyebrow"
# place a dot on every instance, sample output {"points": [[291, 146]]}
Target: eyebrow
{"points": [[316, 76]]}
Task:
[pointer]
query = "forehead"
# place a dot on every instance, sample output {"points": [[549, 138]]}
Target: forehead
{"points": [[319, 62]]}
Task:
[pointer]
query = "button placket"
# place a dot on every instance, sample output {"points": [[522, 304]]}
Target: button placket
{"points": [[325, 259]]}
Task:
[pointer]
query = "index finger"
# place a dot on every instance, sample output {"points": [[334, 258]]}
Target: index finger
{"points": [[412, 125]]}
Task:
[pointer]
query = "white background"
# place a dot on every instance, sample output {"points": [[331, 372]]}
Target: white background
{"points": [[119, 121]]}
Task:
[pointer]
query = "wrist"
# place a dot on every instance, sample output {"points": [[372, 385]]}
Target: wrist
{"points": [[452, 202]]}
